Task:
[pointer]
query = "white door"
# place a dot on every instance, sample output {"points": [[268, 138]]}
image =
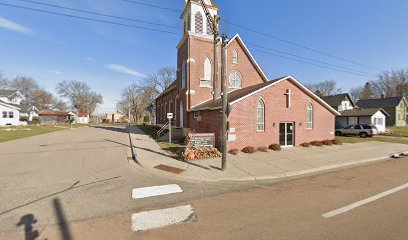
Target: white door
{"points": [[181, 115]]}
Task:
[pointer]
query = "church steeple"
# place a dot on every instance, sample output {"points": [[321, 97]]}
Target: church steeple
{"points": [[194, 19]]}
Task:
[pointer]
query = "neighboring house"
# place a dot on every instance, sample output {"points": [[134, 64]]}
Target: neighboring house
{"points": [[263, 111], [396, 107], [10, 108], [340, 102], [82, 118], [9, 114], [29, 112], [370, 116], [53, 117]]}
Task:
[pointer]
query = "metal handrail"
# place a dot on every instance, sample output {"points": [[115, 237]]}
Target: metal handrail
{"points": [[162, 129]]}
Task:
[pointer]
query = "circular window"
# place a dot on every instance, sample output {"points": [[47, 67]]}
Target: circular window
{"points": [[235, 79]]}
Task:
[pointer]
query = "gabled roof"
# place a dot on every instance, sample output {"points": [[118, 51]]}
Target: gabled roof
{"points": [[362, 112], [335, 100], [10, 105], [258, 68], [239, 95], [380, 102]]}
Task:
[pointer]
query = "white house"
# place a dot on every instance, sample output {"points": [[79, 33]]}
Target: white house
{"points": [[370, 116], [30, 113], [10, 101], [82, 118], [9, 114]]}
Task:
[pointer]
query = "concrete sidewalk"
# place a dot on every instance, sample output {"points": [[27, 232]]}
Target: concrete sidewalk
{"points": [[289, 162]]}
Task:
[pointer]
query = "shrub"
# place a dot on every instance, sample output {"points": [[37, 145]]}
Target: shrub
{"points": [[317, 143], [337, 142], [249, 149], [305, 144], [327, 142], [234, 151], [262, 149], [23, 118], [36, 119], [275, 147]]}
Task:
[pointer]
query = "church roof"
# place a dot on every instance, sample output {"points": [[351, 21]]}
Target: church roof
{"points": [[238, 95]]}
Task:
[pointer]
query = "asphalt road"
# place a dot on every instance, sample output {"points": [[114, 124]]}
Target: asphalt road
{"points": [[77, 185]]}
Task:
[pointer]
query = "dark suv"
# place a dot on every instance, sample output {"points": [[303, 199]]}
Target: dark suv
{"points": [[362, 130]]}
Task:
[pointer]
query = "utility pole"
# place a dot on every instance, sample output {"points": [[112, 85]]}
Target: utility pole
{"points": [[214, 27], [224, 102]]}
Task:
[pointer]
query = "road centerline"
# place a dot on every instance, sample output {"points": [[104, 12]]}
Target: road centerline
{"points": [[138, 193], [364, 201]]}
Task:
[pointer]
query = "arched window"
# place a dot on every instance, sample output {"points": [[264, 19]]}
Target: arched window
{"points": [[183, 75], [198, 23], [207, 69], [235, 56], [309, 116], [260, 117], [235, 80]]}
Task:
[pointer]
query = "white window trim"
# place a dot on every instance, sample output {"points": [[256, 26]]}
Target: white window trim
{"points": [[311, 122], [263, 120], [235, 58]]}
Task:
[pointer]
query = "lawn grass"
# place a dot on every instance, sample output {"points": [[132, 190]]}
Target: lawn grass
{"points": [[21, 132], [171, 148], [399, 131], [379, 138]]}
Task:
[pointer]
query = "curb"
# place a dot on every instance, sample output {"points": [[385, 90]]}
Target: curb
{"points": [[280, 176]]}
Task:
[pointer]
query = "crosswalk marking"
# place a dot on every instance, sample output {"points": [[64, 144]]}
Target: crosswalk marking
{"points": [[160, 218], [155, 191]]}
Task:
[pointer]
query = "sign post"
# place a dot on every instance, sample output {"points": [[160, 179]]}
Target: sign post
{"points": [[169, 116]]}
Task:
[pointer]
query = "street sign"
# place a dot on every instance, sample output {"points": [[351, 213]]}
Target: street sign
{"points": [[169, 115]]}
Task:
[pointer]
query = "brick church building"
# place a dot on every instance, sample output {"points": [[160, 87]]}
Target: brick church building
{"points": [[264, 111]]}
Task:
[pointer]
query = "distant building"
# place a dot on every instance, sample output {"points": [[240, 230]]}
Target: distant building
{"points": [[396, 107], [53, 117], [115, 118]]}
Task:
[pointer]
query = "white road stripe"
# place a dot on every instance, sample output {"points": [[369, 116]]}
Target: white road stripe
{"points": [[160, 218], [155, 191], [363, 202]]}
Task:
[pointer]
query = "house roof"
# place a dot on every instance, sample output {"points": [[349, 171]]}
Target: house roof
{"points": [[238, 95], [7, 93], [335, 100], [380, 102], [47, 112], [10, 105], [362, 112]]}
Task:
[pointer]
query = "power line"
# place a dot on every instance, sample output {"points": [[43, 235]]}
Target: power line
{"points": [[313, 60], [270, 36], [306, 62], [151, 5], [97, 13], [299, 45], [88, 19]]}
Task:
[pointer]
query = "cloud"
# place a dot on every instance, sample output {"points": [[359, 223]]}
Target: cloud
{"points": [[4, 23], [124, 70]]}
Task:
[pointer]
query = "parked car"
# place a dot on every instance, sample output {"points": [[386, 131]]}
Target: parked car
{"points": [[362, 130]]}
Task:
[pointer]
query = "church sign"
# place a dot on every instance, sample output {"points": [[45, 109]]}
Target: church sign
{"points": [[203, 139]]}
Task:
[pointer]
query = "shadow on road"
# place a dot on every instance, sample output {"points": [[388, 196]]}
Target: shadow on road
{"points": [[61, 220], [115, 129], [27, 221]]}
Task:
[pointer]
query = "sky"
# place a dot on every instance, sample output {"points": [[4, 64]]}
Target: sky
{"points": [[370, 35]]}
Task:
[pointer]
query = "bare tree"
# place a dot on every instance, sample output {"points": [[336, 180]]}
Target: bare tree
{"points": [[26, 85], [138, 99], [162, 80], [4, 83], [79, 95], [391, 83], [325, 88], [355, 93]]}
